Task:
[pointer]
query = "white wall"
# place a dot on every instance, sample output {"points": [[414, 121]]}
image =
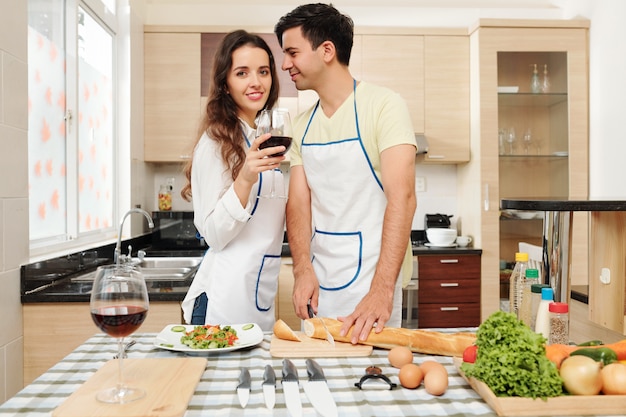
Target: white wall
{"points": [[13, 190]]}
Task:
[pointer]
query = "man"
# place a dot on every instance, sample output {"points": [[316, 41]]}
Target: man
{"points": [[351, 192]]}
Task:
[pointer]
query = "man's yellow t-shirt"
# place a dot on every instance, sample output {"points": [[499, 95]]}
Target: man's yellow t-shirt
{"points": [[384, 121]]}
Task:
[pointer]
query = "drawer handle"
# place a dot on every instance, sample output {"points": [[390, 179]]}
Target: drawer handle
{"points": [[449, 261], [449, 309], [449, 284]]}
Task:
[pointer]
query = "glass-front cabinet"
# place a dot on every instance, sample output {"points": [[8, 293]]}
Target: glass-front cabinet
{"points": [[529, 138]]}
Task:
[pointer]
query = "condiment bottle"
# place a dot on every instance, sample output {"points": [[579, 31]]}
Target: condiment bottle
{"points": [[545, 84], [525, 311], [543, 313], [516, 281], [535, 85], [535, 290], [559, 323]]}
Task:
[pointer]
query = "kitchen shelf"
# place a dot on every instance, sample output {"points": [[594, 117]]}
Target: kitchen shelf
{"points": [[531, 99]]}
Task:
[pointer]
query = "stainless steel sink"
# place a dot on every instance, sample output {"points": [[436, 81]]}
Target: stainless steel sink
{"points": [[158, 269]]}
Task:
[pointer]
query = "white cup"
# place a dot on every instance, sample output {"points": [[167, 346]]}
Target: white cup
{"points": [[463, 241]]}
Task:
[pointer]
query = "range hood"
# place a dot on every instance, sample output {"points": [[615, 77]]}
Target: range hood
{"points": [[422, 144]]}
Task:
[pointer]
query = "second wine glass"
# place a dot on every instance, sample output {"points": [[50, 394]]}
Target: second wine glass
{"points": [[119, 305], [278, 123]]}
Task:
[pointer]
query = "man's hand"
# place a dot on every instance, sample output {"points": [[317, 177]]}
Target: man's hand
{"points": [[305, 289], [373, 311]]}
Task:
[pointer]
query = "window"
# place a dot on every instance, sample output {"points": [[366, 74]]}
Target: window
{"points": [[72, 121]]}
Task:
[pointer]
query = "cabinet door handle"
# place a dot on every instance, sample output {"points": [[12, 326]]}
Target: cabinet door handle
{"points": [[449, 284], [436, 156], [449, 309], [449, 261]]}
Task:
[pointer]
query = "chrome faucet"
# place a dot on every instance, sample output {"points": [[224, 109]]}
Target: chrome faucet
{"points": [[118, 251]]}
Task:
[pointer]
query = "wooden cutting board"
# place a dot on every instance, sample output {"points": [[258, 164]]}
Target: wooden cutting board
{"points": [[169, 385], [315, 348]]}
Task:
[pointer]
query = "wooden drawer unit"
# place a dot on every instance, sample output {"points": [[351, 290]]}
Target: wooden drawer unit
{"points": [[449, 290]]}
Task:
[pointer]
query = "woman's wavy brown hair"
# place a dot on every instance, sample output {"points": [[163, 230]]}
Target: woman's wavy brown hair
{"points": [[220, 120]]}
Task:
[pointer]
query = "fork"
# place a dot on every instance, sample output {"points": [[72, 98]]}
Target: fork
{"points": [[126, 347]]}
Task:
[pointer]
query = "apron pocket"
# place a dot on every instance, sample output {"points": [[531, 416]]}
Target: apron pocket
{"points": [[337, 258], [267, 282]]}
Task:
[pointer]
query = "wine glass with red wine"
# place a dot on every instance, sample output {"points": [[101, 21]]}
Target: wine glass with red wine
{"points": [[119, 305], [278, 123]]}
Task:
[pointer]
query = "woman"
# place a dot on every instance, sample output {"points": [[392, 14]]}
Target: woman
{"points": [[238, 278]]}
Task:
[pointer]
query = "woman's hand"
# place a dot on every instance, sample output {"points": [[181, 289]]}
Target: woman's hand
{"points": [[257, 161]]}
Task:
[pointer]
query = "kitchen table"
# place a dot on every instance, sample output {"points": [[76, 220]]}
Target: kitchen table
{"points": [[215, 394]]}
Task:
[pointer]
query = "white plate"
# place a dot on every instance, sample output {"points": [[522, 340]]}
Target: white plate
{"points": [[430, 245], [170, 340], [508, 89]]}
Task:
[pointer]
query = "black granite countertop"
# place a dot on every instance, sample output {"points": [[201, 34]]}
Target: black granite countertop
{"points": [[59, 279], [562, 204]]}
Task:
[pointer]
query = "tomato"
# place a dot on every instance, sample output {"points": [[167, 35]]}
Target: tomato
{"points": [[469, 354]]}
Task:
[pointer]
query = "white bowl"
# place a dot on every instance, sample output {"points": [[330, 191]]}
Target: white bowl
{"points": [[441, 237]]}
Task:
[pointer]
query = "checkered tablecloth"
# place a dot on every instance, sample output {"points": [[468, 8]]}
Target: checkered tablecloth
{"points": [[216, 395]]}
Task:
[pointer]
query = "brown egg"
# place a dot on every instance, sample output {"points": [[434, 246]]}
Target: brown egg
{"points": [[400, 356], [436, 379], [410, 376], [430, 364]]}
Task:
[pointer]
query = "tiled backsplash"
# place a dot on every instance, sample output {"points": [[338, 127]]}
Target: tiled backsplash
{"points": [[440, 195]]}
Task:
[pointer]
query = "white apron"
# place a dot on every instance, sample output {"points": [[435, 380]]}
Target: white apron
{"points": [[345, 246], [241, 280]]}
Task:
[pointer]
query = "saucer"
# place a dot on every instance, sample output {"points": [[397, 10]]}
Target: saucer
{"points": [[430, 245]]}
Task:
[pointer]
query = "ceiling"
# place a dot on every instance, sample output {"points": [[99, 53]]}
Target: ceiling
{"points": [[523, 4]]}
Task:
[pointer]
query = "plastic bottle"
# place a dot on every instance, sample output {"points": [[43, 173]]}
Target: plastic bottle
{"points": [[516, 281], [535, 289], [525, 311], [543, 313], [535, 85], [559, 323]]}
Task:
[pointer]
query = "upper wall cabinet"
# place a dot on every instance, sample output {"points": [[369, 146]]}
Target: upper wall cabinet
{"points": [[447, 99], [171, 95], [431, 73]]}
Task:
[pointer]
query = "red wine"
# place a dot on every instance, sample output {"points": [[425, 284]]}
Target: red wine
{"points": [[277, 141], [119, 321]]}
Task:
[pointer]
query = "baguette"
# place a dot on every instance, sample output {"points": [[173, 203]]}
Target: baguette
{"points": [[420, 341], [283, 331]]}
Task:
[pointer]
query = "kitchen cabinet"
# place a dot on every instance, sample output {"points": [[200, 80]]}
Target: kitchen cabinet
{"points": [[172, 102], [503, 54], [449, 291], [431, 73], [396, 62], [446, 99], [53, 330], [284, 303]]}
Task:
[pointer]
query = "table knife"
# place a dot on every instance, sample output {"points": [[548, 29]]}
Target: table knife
{"points": [[243, 389], [329, 336], [316, 390], [269, 387], [291, 389]]}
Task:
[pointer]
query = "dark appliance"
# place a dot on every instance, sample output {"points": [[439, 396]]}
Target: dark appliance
{"points": [[437, 220], [174, 230]]}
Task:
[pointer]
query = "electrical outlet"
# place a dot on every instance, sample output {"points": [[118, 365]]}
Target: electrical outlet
{"points": [[420, 184]]}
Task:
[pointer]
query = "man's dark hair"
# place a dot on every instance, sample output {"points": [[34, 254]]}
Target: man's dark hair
{"points": [[320, 22]]}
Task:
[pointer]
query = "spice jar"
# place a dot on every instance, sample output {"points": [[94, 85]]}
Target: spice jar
{"points": [[165, 198], [559, 323]]}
